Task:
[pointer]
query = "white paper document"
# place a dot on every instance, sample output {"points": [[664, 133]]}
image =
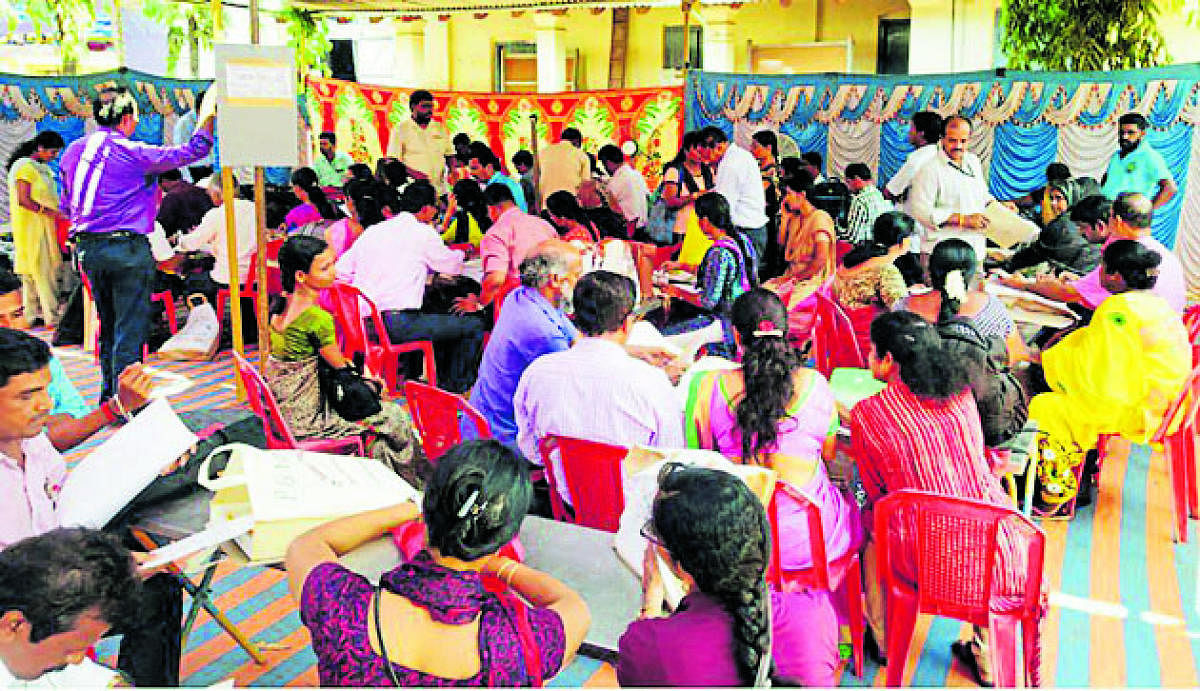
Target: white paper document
{"points": [[305, 484], [213, 535], [120, 468], [1007, 228]]}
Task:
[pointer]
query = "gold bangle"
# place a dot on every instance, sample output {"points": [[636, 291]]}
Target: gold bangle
{"points": [[512, 570]]}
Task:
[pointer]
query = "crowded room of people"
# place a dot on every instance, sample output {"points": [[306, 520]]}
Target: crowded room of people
{"points": [[332, 368]]}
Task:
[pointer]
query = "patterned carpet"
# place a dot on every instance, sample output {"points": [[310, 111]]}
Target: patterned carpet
{"points": [[1123, 603]]}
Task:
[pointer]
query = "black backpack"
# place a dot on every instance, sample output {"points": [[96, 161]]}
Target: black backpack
{"points": [[1002, 401], [832, 197]]}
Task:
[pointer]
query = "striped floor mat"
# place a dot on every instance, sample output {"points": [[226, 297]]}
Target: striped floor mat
{"points": [[1123, 595]]}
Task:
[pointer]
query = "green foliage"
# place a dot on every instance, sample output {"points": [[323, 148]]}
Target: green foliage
{"points": [[188, 25], [68, 21], [309, 36], [1080, 35]]}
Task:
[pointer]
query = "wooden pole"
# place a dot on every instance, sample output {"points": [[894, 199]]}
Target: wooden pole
{"points": [[537, 164], [229, 195], [260, 229], [687, 37]]}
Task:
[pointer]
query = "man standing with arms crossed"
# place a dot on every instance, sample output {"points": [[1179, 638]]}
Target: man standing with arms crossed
{"points": [[111, 196], [1137, 167]]}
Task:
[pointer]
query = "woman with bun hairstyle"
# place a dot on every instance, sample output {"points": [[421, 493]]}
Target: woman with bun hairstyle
{"points": [[431, 621], [870, 279], [314, 205]]}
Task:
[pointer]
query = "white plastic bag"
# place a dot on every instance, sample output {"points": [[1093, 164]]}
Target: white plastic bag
{"points": [[200, 336]]}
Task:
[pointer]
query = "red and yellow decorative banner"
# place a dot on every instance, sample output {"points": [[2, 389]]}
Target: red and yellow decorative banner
{"points": [[362, 115]]}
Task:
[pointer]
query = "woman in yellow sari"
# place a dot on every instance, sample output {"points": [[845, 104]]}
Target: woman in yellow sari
{"points": [[33, 212], [1117, 375]]}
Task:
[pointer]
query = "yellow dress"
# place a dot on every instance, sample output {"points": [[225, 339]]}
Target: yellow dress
{"points": [[1117, 375], [37, 257]]}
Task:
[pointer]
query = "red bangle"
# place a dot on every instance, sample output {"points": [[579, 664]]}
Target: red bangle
{"points": [[110, 416]]}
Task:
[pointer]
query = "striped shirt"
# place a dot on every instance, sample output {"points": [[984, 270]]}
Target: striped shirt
{"points": [[865, 207], [109, 181], [901, 441]]}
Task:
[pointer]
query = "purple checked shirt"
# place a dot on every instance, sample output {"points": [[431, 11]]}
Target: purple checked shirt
{"points": [[109, 183]]}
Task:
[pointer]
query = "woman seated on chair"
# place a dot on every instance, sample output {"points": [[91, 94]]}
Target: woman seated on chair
{"points": [[467, 218], [434, 620], [923, 432], [727, 270], [773, 411], [315, 210], [1117, 375], [869, 280], [711, 532], [808, 239], [956, 293], [599, 252], [302, 332], [364, 204]]}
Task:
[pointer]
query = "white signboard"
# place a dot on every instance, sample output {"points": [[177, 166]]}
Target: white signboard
{"points": [[257, 116]]}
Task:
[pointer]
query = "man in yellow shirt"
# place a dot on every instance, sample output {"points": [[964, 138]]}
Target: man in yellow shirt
{"points": [[422, 143], [564, 166]]}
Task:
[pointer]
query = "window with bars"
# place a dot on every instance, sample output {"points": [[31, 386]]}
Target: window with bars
{"points": [[673, 47]]}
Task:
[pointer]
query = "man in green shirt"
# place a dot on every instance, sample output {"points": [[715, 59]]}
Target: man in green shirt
{"points": [[331, 165], [1137, 167]]}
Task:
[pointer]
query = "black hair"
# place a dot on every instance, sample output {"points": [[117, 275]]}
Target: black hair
{"points": [[800, 182], [497, 193], [949, 255], [789, 166], [812, 158], [690, 141], [461, 138], [602, 300], [476, 499], [1091, 210], [469, 200], [21, 353], [768, 139], [9, 281], [929, 124], [46, 139], [361, 171], [1134, 119], [858, 171], [564, 205], [572, 135], [716, 529], [714, 208], [1057, 171], [1134, 262], [107, 112], [368, 200], [611, 153], [523, 158], [53, 578], [890, 229], [329, 137], [306, 179], [953, 119], [768, 362], [927, 367], [1134, 208], [713, 135], [419, 96], [297, 254], [395, 173], [418, 195], [484, 154], [170, 175]]}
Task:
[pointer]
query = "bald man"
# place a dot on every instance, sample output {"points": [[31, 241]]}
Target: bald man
{"points": [[532, 323]]}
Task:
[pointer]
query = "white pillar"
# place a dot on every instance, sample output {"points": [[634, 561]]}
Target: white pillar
{"points": [[409, 65], [951, 35], [551, 52], [719, 48], [437, 55]]}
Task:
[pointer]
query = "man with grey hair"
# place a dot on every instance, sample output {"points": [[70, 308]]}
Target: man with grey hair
{"points": [[209, 237], [532, 323]]}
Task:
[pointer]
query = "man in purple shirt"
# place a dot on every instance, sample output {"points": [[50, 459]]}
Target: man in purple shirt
{"points": [[111, 196], [531, 324]]}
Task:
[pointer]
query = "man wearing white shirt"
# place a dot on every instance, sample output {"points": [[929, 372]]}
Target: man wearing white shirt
{"points": [[950, 193], [59, 593], [626, 186], [391, 262], [209, 237], [739, 180], [923, 134], [185, 127]]}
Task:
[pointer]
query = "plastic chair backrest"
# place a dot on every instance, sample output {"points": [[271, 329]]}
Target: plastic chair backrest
{"points": [[262, 402], [436, 414], [834, 341], [956, 547], [1181, 414], [818, 574], [347, 302], [593, 474]]}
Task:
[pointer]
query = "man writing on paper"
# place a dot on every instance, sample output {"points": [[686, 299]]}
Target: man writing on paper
{"points": [[32, 473], [950, 193]]}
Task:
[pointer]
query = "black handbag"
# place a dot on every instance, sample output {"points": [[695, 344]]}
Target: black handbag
{"points": [[351, 395]]}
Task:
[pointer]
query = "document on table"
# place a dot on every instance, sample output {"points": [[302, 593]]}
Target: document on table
{"points": [[216, 533], [120, 468], [1007, 228]]}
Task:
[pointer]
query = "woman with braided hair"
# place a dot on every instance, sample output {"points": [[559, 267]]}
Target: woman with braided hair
{"points": [[712, 533]]}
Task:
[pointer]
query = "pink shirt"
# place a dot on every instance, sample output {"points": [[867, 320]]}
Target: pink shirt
{"points": [[391, 260], [511, 238], [1170, 285], [28, 495]]}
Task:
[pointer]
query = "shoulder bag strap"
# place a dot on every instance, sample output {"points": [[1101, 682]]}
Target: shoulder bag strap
{"points": [[530, 650], [387, 661]]}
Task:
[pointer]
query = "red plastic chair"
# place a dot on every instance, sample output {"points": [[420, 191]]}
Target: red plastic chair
{"points": [[592, 471], [279, 435], [834, 341], [842, 576], [955, 555], [382, 356], [436, 414], [249, 289], [1191, 320], [1177, 435]]}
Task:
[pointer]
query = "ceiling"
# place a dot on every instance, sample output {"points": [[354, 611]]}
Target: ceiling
{"points": [[402, 7]]}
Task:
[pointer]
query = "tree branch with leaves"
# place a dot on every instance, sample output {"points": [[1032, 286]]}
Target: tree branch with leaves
{"points": [[309, 36], [1085, 35]]}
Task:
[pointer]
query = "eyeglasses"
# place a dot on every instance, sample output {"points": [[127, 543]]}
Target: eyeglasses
{"points": [[648, 531]]}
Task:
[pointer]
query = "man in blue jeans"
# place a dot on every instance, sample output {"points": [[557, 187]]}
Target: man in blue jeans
{"points": [[110, 193]]}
